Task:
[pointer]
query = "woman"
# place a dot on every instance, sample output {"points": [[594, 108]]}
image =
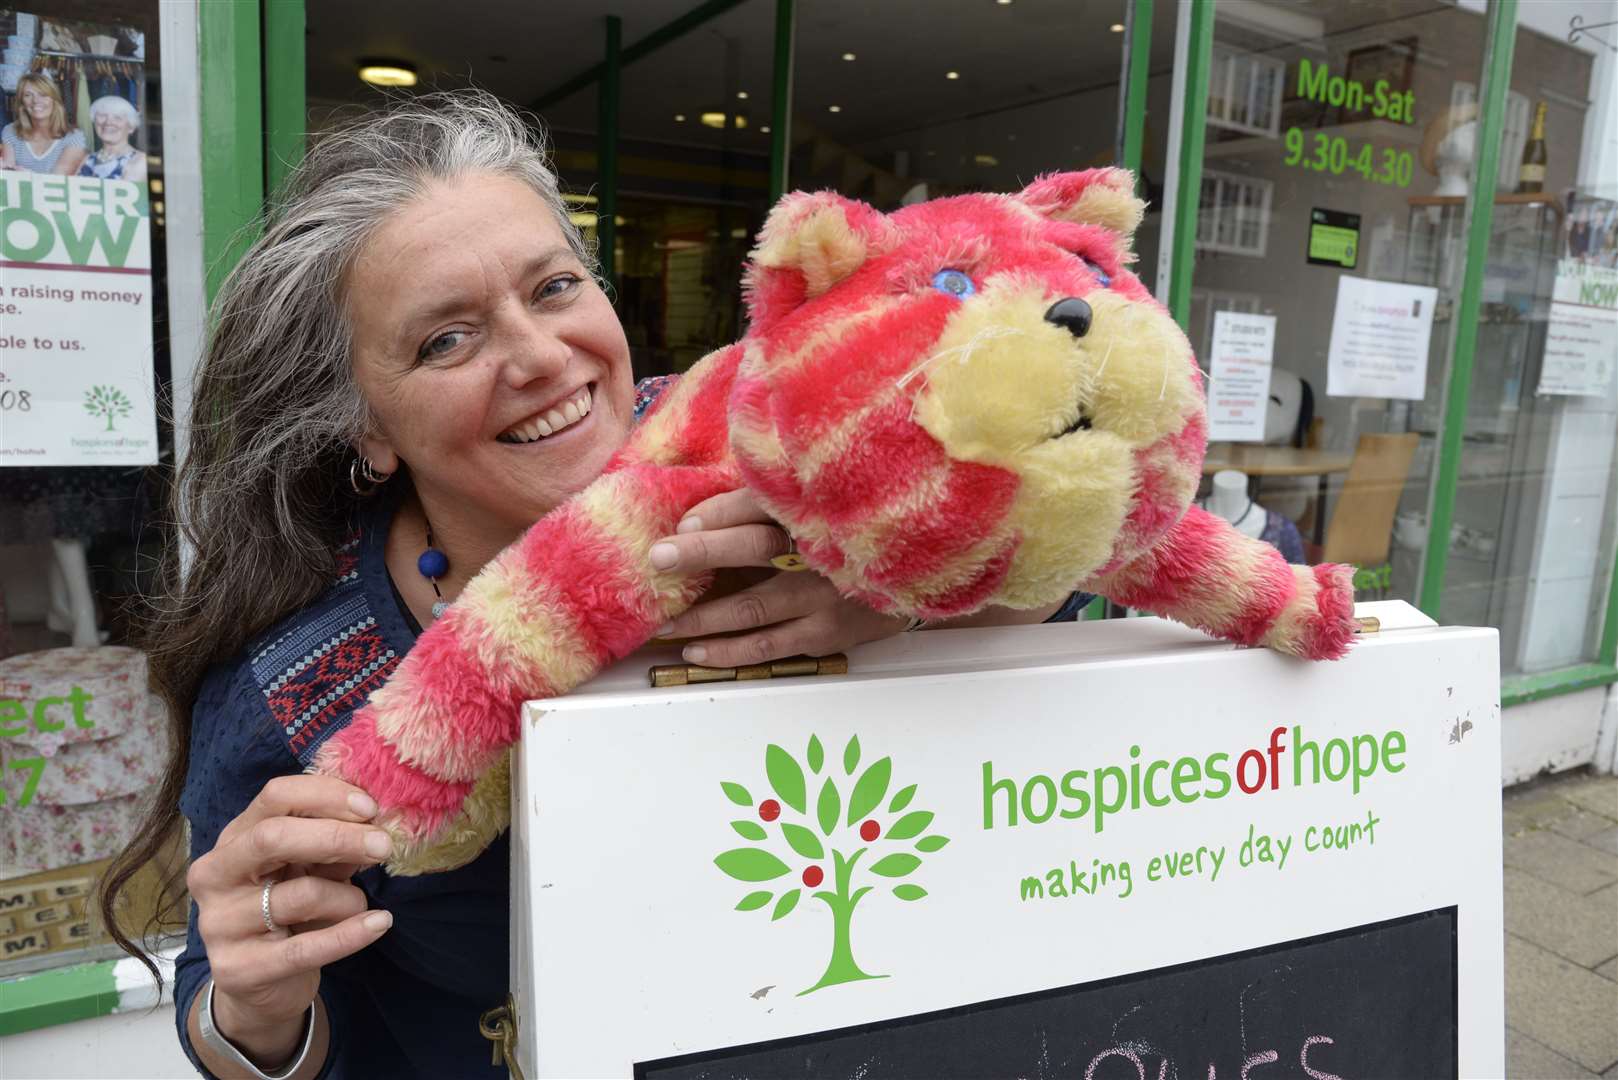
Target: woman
{"points": [[413, 356], [116, 121], [41, 140]]}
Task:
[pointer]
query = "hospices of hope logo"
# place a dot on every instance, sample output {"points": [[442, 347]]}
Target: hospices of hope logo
{"points": [[107, 402], [792, 840]]}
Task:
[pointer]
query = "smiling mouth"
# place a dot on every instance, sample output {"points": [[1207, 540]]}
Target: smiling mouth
{"points": [[553, 421]]}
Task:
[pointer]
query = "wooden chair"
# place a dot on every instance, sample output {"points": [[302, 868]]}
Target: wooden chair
{"points": [[1360, 531]]}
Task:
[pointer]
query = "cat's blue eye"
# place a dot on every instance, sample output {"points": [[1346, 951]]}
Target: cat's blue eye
{"points": [[1100, 274], [954, 282]]}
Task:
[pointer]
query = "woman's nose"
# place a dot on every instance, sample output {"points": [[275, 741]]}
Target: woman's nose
{"points": [[537, 352]]}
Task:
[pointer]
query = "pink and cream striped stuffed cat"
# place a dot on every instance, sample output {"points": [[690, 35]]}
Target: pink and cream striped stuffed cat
{"points": [[966, 402]]}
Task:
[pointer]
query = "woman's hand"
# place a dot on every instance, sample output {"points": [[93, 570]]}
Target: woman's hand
{"points": [[308, 834], [786, 614]]}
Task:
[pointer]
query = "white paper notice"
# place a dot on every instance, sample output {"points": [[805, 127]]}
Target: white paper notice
{"points": [[1239, 376], [76, 384], [1581, 338], [1379, 339]]}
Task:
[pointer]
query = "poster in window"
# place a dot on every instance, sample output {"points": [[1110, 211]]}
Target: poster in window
{"points": [[1581, 335], [76, 374]]}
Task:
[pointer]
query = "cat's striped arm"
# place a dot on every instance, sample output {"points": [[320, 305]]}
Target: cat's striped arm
{"points": [[1206, 574], [575, 593]]}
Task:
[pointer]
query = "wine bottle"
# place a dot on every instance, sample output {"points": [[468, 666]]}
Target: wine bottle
{"points": [[1531, 174]]}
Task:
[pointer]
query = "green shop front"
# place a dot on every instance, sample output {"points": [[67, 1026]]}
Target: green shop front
{"points": [[1389, 227]]}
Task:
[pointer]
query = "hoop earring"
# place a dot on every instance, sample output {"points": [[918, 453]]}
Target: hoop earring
{"points": [[361, 469]]}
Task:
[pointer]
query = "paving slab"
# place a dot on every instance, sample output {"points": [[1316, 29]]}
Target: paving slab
{"points": [[1560, 1005], [1606, 840], [1596, 794], [1527, 1059], [1583, 929], [1609, 969], [1582, 824], [1574, 866]]}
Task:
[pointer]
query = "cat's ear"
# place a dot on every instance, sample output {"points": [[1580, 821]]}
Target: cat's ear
{"points": [[1104, 197], [809, 243]]}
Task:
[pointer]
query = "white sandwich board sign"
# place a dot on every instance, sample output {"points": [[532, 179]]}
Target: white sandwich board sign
{"points": [[1112, 849]]}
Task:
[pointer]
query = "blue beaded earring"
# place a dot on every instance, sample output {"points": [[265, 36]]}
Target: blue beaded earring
{"points": [[433, 564]]}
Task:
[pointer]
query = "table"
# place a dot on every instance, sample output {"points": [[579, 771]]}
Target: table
{"points": [[1258, 461]]}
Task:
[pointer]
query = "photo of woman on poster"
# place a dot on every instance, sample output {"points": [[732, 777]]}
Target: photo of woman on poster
{"points": [[41, 139], [116, 122]]}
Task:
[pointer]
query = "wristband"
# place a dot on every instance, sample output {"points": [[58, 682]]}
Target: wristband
{"points": [[223, 1046]]}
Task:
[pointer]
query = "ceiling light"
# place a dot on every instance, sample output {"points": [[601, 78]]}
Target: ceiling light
{"points": [[584, 219], [952, 74], [582, 200], [988, 160], [1003, 3], [848, 56], [738, 234], [834, 108], [741, 95], [713, 119], [679, 118], [765, 130], [388, 72], [1117, 28]]}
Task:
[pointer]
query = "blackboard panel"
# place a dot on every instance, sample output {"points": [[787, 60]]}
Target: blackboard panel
{"points": [[1375, 1000]]}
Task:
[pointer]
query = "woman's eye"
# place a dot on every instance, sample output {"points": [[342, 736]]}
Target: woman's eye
{"points": [[956, 283], [441, 344], [1100, 274], [556, 286]]}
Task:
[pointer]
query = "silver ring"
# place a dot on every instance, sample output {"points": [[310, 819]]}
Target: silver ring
{"points": [[264, 908]]}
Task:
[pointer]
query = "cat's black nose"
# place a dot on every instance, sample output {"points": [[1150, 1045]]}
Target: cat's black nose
{"points": [[1071, 314]]}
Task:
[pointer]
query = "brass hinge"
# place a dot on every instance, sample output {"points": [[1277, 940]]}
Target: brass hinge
{"points": [[499, 1026], [684, 674]]}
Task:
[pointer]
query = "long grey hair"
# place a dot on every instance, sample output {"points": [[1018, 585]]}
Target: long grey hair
{"points": [[263, 498]]}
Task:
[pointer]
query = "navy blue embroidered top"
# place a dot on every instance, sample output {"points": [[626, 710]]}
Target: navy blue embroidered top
{"points": [[407, 1006]]}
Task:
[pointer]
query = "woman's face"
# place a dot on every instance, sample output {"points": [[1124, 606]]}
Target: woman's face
{"points": [[112, 128], [38, 104], [493, 364]]}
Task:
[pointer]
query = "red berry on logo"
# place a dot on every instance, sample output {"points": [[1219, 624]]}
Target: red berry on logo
{"points": [[813, 876], [870, 831], [769, 809]]}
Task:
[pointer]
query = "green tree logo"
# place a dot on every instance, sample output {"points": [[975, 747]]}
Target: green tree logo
{"points": [[106, 401], [847, 830]]}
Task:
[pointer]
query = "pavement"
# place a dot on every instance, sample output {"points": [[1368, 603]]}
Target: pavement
{"points": [[1561, 863]]}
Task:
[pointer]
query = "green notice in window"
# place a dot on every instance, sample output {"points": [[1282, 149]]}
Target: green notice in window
{"points": [[1334, 238]]}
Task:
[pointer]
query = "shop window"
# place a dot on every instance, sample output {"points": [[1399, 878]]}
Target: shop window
{"points": [[1358, 207], [1235, 216], [84, 463], [1244, 92], [1531, 549]]}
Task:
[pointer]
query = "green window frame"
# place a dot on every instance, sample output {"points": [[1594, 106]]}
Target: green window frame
{"points": [[1499, 45]]}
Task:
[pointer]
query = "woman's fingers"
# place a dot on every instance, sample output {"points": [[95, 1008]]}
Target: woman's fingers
{"points": [[775, 599], [304, 795], [253, 968], [824, 622], [259, 850], [722, 511], [711, 549], [298, 902]]}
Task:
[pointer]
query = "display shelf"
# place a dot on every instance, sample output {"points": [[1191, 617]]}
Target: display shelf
{"points": [[1502, 486]]}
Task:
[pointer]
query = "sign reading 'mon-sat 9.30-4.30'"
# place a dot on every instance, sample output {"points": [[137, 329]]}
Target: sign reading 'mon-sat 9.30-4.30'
{"points": [[1111, 851], [76, 383]]}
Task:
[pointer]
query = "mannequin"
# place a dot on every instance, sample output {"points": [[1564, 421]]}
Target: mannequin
{"points": [[1229, 499], [1447, 146]]}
